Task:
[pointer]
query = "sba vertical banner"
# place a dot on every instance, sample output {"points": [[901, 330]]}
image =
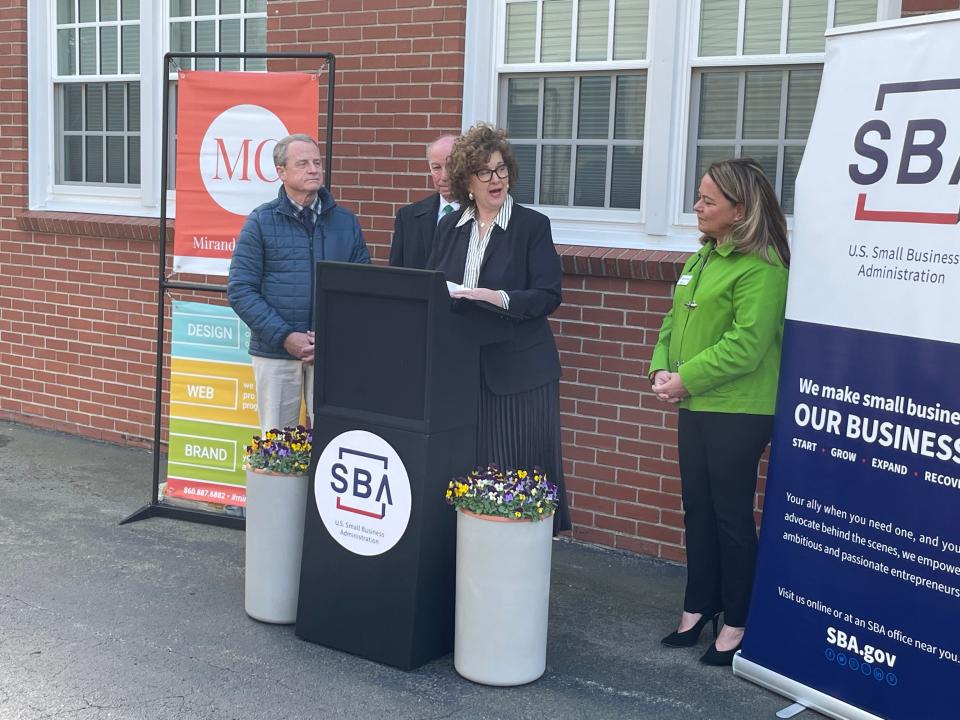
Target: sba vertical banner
{"points": [[227, 126], [857, 593]]}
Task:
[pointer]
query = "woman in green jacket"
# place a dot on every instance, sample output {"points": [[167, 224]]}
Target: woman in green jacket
{"points": [[717, 358]]}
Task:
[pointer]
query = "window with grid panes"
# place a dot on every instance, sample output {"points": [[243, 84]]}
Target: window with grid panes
{"points": [[572, 98], [96, 82], [756, 76], [97, 91], [219, 26]]}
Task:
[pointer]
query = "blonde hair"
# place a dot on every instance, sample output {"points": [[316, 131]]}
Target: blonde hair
{"points": [[763, 226]]}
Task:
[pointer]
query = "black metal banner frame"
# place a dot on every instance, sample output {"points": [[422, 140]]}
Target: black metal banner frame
{"points": [[155, 508]]}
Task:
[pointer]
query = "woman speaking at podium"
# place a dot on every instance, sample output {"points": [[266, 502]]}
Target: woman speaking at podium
{"points": [[718, 357], [502, 254]]}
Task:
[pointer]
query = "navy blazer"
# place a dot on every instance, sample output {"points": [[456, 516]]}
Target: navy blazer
{"points": [[413, 230], [522, 261]]}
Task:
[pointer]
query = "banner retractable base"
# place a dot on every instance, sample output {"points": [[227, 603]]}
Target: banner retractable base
{"points": [[791, 710], [806, 696], [176, 513]]}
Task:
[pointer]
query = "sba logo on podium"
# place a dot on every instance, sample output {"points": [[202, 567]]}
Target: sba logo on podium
{"points": [[362, 492]]}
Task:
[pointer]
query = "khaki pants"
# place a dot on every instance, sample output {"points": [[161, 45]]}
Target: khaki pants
{"points": [[281, 386]]}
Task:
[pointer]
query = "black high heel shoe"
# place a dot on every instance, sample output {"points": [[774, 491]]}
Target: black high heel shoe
{"points": [[719, 657], [689, 638]]}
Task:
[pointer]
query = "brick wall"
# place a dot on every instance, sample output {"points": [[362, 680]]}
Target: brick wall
{"points": [[78, 293], [919, 7]]}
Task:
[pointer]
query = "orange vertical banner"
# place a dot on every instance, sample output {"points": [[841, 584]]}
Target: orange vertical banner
{"points": [[227, 126]]}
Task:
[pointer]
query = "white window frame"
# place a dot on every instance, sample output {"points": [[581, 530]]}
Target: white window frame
{"points": [[672, 41], [44, 192]]}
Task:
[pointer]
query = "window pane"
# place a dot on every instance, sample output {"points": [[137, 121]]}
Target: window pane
{"points": [[88, 11], [116, 159], [705, 156], [808, 22], [630, 109], [625, 183], [66, 45], [523, 102], [256, 5], [761, 110], [65, 12], [129, 9], [761, 31], [94, 107], [555, 175], [854, 12], [591, 180], [791, 164], [206, 42], [558, 109], [180, 37], [718, 105], [230, 42], [521, 32], [592, 30], [133, 158], [73, 158], [555, 31], [73, 107], [255, 40], [594, 108], [108, 9], [526, 156], [179, 8], [718, 27], [206, 7], [229, 6], [630, 29], [115, 111], [88, 51], [94, 158], [108, 51], [133, 107], [804, 85], [766, 157], [130, 53]]}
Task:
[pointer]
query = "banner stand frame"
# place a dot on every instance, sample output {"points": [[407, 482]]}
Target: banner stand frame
{"points": [[798, 692], [155, 508]]}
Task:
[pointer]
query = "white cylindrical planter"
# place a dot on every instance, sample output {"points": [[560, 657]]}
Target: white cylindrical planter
{"points": [[503, 598], [276, 505]]}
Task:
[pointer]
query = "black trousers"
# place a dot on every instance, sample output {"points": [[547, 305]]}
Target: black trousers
{"points": [[719, 454]]}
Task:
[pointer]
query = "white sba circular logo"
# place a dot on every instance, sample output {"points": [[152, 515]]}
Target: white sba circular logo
{"points": [[236, 157], [363, 492]]}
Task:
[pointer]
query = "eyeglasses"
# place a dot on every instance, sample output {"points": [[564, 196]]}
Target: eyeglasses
{"points": [[486, 174]]}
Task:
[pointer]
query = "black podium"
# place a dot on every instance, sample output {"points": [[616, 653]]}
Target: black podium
{"points": [[397, 375]]}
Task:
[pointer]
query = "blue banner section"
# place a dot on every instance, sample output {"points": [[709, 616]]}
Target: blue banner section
{"points": [[858, 580], [209, 332]]}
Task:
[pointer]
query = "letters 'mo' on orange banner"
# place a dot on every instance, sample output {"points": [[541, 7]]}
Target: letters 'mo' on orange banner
{"points": [[227, 126]]}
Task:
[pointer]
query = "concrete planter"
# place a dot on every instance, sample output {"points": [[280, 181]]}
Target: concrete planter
{"points": [[503, 598], [276, 505]]}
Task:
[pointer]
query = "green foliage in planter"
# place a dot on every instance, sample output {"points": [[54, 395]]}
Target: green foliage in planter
{"points": [[515, 494]]}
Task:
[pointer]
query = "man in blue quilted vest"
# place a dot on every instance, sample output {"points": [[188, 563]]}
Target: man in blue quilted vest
{"points": [[270, 285]]}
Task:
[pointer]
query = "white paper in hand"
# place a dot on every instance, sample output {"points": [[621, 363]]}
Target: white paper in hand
{"points": [[452, 287]]}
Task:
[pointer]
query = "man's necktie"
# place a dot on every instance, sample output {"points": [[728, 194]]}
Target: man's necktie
{"points": [[306, 215], [447, 209]]}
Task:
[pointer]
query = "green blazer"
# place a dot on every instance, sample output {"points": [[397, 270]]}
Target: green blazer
{"points": [[724, 331]]}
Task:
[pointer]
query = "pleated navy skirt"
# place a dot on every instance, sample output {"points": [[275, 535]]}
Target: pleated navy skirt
{"points": [[521, 431]]}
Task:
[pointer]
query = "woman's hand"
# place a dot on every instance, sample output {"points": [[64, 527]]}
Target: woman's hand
{"points": [[668, 386], [481, 294]]}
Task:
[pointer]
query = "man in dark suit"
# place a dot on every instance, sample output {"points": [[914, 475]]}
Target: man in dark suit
{"points": [[415, 223]]}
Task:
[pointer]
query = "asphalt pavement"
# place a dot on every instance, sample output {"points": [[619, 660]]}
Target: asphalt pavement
{"points": [[145, 621]]}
